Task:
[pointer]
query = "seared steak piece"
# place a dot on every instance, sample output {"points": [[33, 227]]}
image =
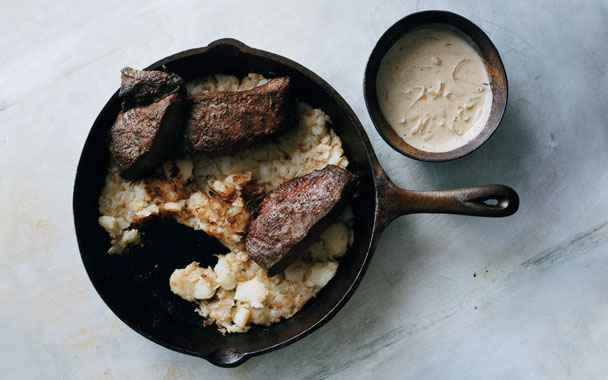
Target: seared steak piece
{"points": [[294, 214], [145, 136], [141, 87], [223, 121]]}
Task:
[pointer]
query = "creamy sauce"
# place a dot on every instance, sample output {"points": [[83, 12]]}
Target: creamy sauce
{"points": [[433, 89]]}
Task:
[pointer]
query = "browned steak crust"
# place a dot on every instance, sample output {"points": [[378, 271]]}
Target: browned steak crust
{"points": [[145, 136], [293, 215], [227, 120], [142, 87]]}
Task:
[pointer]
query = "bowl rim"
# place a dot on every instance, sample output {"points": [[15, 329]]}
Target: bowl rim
{"points": [[371, 72]]}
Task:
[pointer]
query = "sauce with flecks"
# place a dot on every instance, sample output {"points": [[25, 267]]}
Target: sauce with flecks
{"points": [[433, 89]]}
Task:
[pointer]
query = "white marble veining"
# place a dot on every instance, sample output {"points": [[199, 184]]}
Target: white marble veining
{"points": [[444, 297]]}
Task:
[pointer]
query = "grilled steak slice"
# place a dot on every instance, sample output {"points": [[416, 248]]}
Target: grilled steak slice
{"points": [[223, 121], [141, 87], [293, 215], [143, 137]]}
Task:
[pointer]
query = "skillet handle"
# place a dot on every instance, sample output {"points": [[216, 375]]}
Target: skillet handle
{"points": [[486, 200]]}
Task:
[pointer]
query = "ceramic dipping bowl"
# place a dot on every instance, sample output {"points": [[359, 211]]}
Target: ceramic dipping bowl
{"points": [[493, 65]]}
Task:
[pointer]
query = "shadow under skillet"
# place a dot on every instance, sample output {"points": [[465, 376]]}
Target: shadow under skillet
{"points": [[390, 266], [404, 249], [502, 159]]}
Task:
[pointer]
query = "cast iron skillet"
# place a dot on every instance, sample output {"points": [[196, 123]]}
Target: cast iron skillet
{"points": [[135, 285]]}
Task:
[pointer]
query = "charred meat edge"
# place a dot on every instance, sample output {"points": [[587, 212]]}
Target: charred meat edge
{"points": [[261, 242], [143, 87]]}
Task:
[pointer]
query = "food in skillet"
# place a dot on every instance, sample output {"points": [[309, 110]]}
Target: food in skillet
{"points": [[293, 215], [147, 130], [142, 87], [228, 120], [210, 193]]}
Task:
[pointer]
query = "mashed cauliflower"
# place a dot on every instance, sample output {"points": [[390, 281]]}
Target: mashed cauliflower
{"points": [[208, 194]]}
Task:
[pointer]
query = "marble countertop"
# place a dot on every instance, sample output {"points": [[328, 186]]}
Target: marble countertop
{"points": [[444, 297]]}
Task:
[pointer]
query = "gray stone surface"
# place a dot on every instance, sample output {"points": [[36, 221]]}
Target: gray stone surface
{"points": [[444, 297]]}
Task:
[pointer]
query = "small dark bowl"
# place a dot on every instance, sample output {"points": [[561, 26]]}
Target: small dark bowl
{"points": [[492, 61]]}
